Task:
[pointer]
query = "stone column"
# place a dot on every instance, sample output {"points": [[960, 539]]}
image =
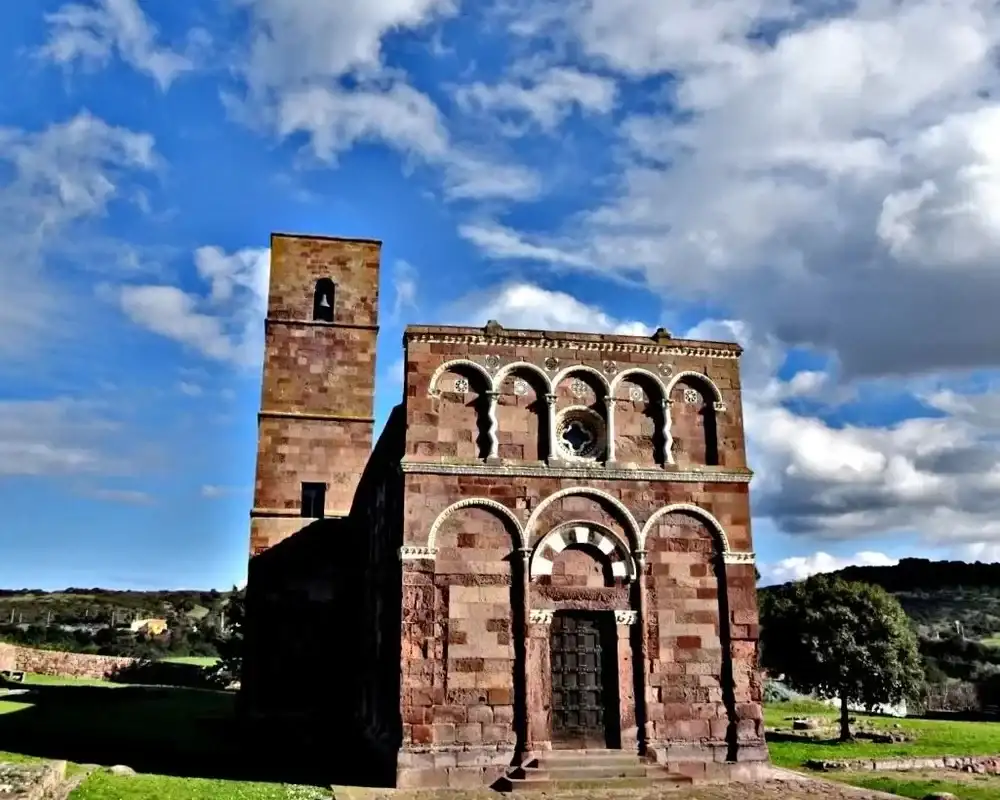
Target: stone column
{"points": [[540, 680], [668, 438], [609, 401], [642, 692], [526, 661], [550, 402], [491, 415]]}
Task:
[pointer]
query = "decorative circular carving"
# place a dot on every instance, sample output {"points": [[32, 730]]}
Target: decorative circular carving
{"points": [[461, 385], [610, 367], [691, 395], [667, 369], [580, 434], [552, 363], [578, 388], [493, 362], [636, 394], [521, 387]]}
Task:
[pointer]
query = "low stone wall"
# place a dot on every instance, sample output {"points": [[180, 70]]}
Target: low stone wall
{"points": [[984, 765], [54, 662]]}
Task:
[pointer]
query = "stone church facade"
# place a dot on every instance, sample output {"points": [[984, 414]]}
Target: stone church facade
{"points": [[548, 547]]}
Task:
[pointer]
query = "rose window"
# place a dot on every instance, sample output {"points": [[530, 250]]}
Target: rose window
{"points": [[577, 437], [580, 434]]}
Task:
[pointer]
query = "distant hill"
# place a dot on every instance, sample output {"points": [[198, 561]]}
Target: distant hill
{"points": [[936, 595], [98, 607], [100, 621]]}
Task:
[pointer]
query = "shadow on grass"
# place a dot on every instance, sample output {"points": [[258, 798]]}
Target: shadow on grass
{"points": [[181, 732]]}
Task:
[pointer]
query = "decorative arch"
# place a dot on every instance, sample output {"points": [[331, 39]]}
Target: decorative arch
{"points": [[686, 508], [432, 389], [481, 502], [498, 379], [704, 379], [631, 526], [583, 532], [566, 372], [621, 376]]}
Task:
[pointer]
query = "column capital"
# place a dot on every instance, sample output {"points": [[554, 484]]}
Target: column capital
{"points": [[640, 556], [550, 398]]}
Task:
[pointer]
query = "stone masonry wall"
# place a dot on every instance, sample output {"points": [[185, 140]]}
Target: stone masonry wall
{"points": [[57, 663], [317, 393]]}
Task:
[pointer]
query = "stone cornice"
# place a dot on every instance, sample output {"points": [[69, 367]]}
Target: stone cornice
{"points": [[591, 473], [556, 342], [731, 558]]}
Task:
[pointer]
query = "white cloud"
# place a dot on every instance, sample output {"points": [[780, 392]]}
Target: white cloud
{"points": [[525, 305], [847, 161], [91, 33], [799, 568], [226, 325], [404, 284], [64, 175], [213, 492], [546, 98], [190, 389], [55, 437]]}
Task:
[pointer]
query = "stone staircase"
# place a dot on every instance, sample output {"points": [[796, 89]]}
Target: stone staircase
{"points": [[568, 770]]}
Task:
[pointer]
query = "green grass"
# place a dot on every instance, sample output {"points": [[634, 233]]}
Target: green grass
{"points": [[918, 787], [931, 737], [103, 786], [199, 661], [991, 641]]}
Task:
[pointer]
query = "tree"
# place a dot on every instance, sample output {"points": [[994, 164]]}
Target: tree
{"points": [[840, 639], [230, 643]]}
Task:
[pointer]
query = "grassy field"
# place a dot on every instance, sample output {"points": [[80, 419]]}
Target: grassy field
{"points": [[185, 744], [931, 737], [919, 785], [200, 661]]}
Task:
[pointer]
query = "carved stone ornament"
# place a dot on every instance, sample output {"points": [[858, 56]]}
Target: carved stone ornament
{"points": [[691, 396], [521, 387], [626, 617], [666, 370], [552, 363], [580, 434], [578, 388], [461, 385], [407, 553], [738, 558], [610, 367], [635, 394], [541, 616], [719, 406], [493, 362]]}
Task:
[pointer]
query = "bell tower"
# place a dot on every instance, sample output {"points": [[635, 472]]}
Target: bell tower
{"points": [[317, 401]]}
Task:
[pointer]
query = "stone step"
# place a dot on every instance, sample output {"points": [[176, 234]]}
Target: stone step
{"points": [[590, 770], [538, 784]]}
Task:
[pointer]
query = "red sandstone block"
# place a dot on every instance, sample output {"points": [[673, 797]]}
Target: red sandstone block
{"points": [[746, 711], [421, 734], [500, 697], [480, 714], [503, 715], [469, 733], [689, 642], [449, 714], [443, 733]]}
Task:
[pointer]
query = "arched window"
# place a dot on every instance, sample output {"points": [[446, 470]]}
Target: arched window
{"points": [[323, 300]]}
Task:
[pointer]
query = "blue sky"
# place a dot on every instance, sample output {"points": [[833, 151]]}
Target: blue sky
{"points": [[817, 182]]}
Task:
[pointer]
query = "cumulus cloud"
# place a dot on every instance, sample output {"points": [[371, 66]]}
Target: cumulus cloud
{"points": [[223, 325], [62, 176], [525, 305], [91, 33], [299, 58], [846, 160], [799, 568]]}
